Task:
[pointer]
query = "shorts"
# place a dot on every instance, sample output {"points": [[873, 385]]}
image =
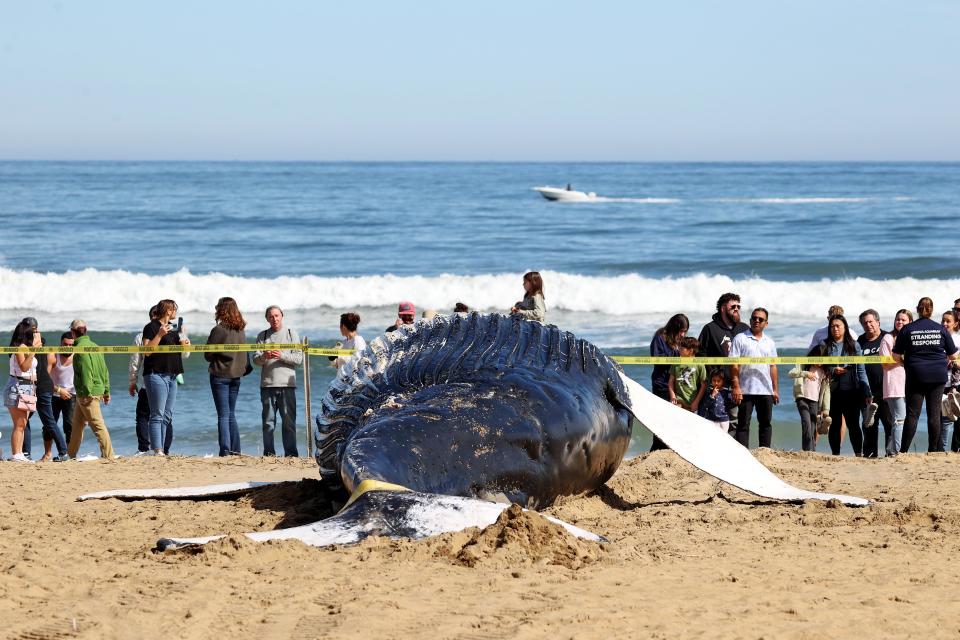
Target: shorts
{"points": [[11, 392]]}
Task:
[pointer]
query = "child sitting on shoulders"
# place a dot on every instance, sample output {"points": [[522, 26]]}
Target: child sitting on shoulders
{"points": [[688, 382], [810, 385], [716, 404]]}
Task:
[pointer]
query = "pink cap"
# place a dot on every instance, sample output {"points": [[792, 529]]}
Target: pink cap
{"points": [[406, 309]]}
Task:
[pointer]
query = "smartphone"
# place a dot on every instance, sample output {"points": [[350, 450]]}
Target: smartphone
{"points": [[176, 327]]}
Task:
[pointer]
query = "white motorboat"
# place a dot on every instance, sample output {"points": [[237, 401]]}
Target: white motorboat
{"points": [[565, 195]]}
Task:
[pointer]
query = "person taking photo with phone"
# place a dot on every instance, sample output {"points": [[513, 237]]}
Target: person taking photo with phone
{"points": [[160, 371]]}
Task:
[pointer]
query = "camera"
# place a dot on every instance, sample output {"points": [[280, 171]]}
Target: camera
{"points": [[171, 327], [336, 345]]}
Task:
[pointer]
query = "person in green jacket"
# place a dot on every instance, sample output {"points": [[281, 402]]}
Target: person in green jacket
{"points": [[92, 382]]}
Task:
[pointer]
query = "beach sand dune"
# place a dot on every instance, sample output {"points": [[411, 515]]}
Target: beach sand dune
{"points": [[687, 556]]}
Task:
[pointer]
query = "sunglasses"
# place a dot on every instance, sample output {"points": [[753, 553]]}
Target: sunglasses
{"points": [[734, 307], [757, 319]]}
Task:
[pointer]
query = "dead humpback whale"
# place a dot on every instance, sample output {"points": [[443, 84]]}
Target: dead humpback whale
{"points": [[443, 424]]}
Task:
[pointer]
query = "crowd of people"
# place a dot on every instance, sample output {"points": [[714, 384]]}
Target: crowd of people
{"points": [[832, 399], [836, 400], [70, 388]]}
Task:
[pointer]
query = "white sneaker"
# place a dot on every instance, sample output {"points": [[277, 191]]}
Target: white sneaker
{"points": [[19, 457]]}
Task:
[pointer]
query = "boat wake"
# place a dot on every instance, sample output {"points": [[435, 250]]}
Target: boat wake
{"points": [[784, 201], [638, 200], [555, 194]]}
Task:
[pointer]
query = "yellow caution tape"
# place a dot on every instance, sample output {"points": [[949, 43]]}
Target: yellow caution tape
{"points": [[320, 351], [163, 348], [779, 360], [316, 351]]}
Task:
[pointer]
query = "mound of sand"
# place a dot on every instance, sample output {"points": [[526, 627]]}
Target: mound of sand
{"points": [[523, 538]]}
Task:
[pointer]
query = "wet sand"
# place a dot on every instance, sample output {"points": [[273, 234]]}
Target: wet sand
{"points": [[687, 556]]}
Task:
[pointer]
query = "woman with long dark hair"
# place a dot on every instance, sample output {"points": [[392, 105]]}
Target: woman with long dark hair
{"points": [[850, 389], [894, 382], [48, 392], [666, 342], [532, 307], [21, 389], [226, 369]]}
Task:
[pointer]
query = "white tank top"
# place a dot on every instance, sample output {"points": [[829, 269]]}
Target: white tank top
{"points": [[62, 375], [16, 372]]}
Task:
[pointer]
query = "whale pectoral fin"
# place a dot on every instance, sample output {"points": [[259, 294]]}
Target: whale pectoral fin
{"points": [[177, 493], [702, 444], [392, 513]]}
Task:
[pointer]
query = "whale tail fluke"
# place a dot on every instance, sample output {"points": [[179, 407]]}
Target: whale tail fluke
{"points": [[392, 513]]}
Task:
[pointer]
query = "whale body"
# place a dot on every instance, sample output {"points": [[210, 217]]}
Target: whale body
{"points": [[442, 425], [477, 406]]}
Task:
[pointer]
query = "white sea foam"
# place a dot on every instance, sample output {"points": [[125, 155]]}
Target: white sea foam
{"points": [[635, 200], [622, 295]]}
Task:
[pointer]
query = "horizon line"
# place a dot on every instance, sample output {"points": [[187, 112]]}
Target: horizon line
{"points": [[441, 161]]}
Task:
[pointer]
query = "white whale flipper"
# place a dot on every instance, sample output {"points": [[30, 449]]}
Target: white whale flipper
{"points": [[397, 514], [205, 491], [702, 444]]}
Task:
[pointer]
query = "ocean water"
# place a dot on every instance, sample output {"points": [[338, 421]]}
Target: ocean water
{"points": [[106, 240]]}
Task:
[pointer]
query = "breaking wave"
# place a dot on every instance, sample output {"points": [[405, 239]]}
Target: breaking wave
{"points": [[629, 294]]}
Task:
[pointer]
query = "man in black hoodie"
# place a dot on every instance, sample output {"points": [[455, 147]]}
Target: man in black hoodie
{"points": [[717, 335]]}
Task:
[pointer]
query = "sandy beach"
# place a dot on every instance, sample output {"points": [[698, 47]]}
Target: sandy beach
{"points": [[687, 557]]}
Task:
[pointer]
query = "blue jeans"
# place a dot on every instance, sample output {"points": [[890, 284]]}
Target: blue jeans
{"points": [[143, 421], [162, 395], [946, 429], [51, 428], [64, 408], [225, 392], [898, 411], [26, 435], [282, 401]]}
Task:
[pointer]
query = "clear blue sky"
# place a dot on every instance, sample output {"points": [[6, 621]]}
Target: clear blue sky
{"points": [[448, 80]]}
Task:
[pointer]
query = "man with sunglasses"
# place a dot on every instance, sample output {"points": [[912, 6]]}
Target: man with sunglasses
{"points": [[755, 385], [717, 335]]}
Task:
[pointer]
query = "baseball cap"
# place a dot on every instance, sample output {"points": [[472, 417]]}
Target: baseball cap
{"points": [[76, 324], [406, 309]]}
